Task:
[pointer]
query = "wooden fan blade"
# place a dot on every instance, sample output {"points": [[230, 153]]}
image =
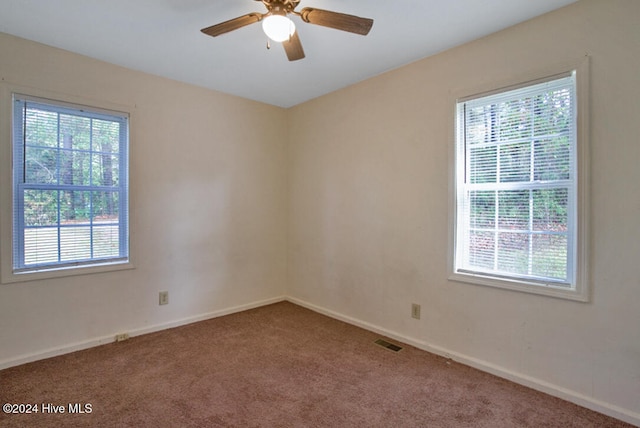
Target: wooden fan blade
{"points": [[232, 24], [339, 21], [293, 48]]}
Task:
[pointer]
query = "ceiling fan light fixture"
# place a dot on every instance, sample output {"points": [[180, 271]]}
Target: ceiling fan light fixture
{"points": [[278, 27]]}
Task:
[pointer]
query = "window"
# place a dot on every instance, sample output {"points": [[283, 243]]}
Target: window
{"points": [[517, 217], [70, 192]]}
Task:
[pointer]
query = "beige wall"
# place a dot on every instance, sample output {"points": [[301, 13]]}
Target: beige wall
{"points": [[355, 208], [208, 207], [369, 203]]}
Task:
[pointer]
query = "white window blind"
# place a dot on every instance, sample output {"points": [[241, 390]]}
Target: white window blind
{"points": [[516, 184], [70, 202]]}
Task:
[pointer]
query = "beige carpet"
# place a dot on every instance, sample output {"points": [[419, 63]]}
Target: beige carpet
{"points": [[276, 366]]}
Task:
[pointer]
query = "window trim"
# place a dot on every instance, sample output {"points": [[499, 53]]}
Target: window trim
{"points": [[580, 290], [7, 273]]}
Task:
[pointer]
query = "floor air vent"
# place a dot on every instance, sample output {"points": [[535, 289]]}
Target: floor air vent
{"points": [[385, 344]]}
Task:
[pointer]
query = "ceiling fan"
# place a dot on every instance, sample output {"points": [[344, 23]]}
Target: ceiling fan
{"points": [[280, 28]]}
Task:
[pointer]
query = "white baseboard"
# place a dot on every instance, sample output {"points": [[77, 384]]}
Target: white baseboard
{"points": [[531, 382], [97, 341]]}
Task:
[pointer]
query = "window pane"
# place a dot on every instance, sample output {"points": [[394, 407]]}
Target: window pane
{"points": [[75, 207], [482, 209], [553, 112], [550, 210], [106, 241], [80, 168], [513, 253], [105, 169], [40, 207], [74, 167], [515, 162], [41, 245], [75, 243], [41, 128], [106, 135], [75, 132], [105, 207], [513, 209], [552, 159], [41, 165], [514, 119], [550, 256], [482, 162], [482, 250], [478, 124]]}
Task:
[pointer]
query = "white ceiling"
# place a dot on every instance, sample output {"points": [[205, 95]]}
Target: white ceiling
{"points": [[163, 37]]}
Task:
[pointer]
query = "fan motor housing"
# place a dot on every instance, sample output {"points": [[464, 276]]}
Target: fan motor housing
{"points": [[280, 7]]}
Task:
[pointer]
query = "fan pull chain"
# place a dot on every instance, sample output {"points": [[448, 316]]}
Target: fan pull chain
{"points": [[268, 44]]}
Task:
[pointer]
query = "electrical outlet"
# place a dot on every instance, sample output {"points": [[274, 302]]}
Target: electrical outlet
{"points": [[121, 337], [415, 311], [164, 298]]}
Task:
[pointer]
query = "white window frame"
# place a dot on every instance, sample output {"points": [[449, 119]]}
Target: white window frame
{"points": [[577, 288], [9, 273]]}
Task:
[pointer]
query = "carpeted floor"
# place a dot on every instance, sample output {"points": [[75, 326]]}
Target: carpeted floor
{"points": [[276, 366]]}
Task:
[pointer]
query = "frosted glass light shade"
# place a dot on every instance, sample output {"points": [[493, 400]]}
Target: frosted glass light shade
{"points": [[278, 28]]}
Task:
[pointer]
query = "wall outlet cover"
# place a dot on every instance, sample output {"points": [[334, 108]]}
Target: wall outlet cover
{"points": [[163, 298], [415, 311]]}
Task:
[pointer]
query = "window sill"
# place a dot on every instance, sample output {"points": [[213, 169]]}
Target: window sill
{"points": [[550, 290], [51, 273]]}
